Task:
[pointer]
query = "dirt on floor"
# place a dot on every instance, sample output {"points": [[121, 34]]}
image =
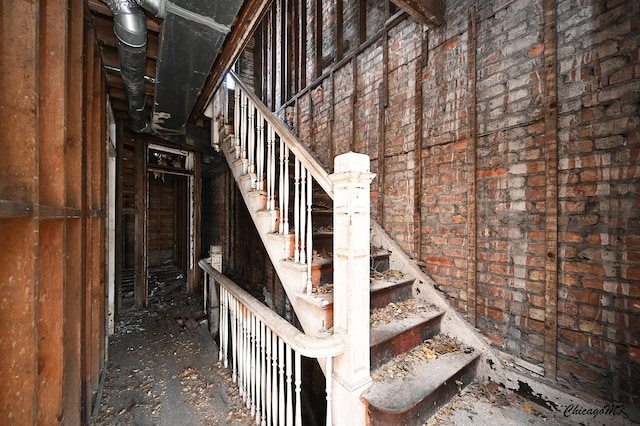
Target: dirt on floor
{"points": [[163, 369]]}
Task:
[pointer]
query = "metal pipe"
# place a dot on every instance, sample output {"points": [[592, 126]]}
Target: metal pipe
{"points": [[130, 28]]}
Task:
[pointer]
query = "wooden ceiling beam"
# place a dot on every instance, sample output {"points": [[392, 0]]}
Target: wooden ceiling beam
{"points": [[429, 12]]}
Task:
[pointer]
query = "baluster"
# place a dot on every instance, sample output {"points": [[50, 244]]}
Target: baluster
{"points": [[222, 353], [243, 132], [254, 359], [303, 216], [236, 121], [269, 384], [296, 210], [274, 378], [289, 401], [298, 383], [260, 151], [285, 193], [234, 340], [241, 332], [251, 142], [281, 188], [271, 165], [309, 231], [329, 387], [245, 354], [259, 374], [281, 359]]}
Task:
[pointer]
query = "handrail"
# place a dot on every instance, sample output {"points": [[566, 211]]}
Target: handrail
{"points": [[308, 345], [265, 353], [310, 163]]}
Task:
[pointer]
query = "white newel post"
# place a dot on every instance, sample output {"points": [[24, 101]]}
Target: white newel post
{"points": [[351, 251], [211, 299]]}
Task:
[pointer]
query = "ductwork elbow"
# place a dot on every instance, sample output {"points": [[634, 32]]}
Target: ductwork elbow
{"points": [[157, 7]]}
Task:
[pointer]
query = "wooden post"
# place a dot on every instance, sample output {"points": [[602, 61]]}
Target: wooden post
{"points": [[351, 254]]}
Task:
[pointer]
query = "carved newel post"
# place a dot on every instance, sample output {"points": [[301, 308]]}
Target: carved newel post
{"points": [[351, 252]]}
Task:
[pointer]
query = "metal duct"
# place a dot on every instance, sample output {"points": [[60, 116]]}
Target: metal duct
{"points": [[157, 7], [130, 28]]}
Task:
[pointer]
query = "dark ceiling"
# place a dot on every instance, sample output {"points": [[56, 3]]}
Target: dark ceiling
{"points": [[188, 51], [181, 51]]}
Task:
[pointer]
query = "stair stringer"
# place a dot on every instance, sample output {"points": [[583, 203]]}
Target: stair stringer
{"points": [[279, 247], [453, 323]]}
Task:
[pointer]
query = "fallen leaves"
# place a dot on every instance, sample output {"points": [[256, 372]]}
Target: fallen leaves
{"points": [[398, 310], [403, 364]]}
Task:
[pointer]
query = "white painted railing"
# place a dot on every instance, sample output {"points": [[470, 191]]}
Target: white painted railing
{"points": [[264, 353], [266, 149]]}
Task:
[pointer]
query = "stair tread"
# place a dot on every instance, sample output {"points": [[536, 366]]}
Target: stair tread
{"points": [[387, 331], [380, 284], [401, 394]]}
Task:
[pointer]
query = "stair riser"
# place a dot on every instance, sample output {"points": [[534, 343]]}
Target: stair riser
{"points": [[396, 293], [419, 414], [409, 339]]}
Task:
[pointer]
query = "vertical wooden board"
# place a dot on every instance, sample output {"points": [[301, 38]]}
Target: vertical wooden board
{"points": [[51, 91], [72, 386], [18, 100], [73, 322], [197, 224], [87, 348], [141, 284], [74, 105], [18, 334], [50, 297], [97, 301]]}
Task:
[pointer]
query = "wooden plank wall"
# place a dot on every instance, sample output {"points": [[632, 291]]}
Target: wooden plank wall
{"points": [[52, 221]]}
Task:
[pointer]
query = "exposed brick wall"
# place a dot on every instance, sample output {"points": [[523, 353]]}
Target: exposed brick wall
{"points": [[599, 179], [511, 179], [371, 107]]}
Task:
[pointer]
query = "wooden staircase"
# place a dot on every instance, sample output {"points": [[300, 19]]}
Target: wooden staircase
{"points": [[426, 381]]}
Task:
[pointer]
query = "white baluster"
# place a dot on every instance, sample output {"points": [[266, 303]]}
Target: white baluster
{"points": [[252, 365], [303, 215], [285, 193], [289, 400], [243, 130], [274, 379], [260, 152], [298, 383], [236, 122], [281, 188], [296, 210], [259, 373], [309, 231], [246, 351], [234, 340], [223, 334], [268, 386], [251, 141], [271, 165], [329, 387], [281, 358]]}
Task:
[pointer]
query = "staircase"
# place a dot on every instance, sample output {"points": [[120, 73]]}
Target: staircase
{"points": [[415, 367]]}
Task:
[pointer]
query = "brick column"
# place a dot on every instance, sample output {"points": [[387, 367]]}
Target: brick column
{"points": [[351, 251]]}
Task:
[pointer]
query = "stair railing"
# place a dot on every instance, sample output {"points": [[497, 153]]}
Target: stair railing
{"points": [[264, 353], [266, 148]]}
